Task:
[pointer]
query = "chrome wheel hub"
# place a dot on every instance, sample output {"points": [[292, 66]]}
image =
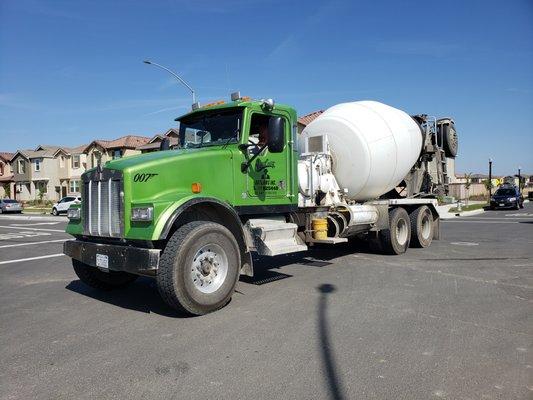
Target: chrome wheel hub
{"points": [[209, 268]]}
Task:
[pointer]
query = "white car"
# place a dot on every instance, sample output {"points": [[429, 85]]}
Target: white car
{"points": [[62, 205]]}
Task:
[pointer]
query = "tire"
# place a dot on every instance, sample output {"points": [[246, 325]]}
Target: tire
{"points": [[97, 279], [449, 138], [395, 240], [183, 284], [421, 227], [54, 211]]}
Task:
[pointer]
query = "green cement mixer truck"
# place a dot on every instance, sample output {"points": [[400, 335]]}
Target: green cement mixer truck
{"points": [[243, 180]]}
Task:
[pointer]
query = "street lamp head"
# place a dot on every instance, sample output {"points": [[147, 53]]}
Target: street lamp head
{"points": [[147, 62], [490, 159]]}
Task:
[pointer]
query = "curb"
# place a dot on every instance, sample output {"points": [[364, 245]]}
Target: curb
{"points": [[36, 217], [468, 213]]}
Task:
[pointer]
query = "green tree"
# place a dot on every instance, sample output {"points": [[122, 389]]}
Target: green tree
{"points": [[7, 190], [488, 185], [468, 183], [40, 195]]}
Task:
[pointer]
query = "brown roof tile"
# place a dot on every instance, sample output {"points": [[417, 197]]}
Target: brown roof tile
{"points": [[128, 141], [308, 118], [6, 156]]}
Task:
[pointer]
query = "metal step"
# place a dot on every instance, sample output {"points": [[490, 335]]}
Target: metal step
{"points": [[275, 236]]}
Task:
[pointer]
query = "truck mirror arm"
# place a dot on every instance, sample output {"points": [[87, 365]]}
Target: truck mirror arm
{"points": [[245, 165]]}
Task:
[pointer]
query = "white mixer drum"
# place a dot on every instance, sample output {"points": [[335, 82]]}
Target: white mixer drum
{"points": [[373, 146]]}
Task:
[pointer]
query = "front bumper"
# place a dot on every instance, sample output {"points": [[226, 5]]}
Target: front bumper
{"points": [[502, 204], [136, 260]]}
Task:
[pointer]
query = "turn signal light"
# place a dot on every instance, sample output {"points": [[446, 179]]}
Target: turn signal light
{"points": [[196, 187]]}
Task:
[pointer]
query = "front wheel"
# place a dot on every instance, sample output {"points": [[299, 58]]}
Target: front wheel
{"points": [[54, 211], [395, 240], [97, 279], [199, 268]]}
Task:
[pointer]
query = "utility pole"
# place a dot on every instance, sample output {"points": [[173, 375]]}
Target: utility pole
{"points": [[175, 76], [490, 178], [519, 180]]}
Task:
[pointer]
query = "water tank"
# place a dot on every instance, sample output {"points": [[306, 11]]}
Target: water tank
{"points": [[373, 146]]}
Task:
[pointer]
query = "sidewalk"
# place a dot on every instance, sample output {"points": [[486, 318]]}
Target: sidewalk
{"points": [[445, 214]]}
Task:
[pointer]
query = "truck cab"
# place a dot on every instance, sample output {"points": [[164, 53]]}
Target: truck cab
{"points": [[225, 172]]}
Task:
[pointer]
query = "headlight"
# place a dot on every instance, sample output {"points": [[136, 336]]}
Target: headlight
{"points": [[512, 198], [142, 213], [73, 213]]}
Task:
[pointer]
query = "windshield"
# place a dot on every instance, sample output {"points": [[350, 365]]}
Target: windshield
{"points": [[505, 192], [8, 201], [210, 128]]}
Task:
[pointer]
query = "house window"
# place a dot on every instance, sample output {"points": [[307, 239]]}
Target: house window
{"points": [[37, 165], [74, 186], [21, 167], [61, 162], [76, 161], [1, 168], [117, 154], [96, 158]]}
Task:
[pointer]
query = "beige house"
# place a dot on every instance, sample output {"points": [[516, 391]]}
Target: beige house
{"points": [[6, 175], [100, 151], [35, 172], [48, 171], [72, 162], [155, 143]]}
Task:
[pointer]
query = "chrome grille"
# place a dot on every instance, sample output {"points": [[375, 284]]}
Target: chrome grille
{"points": [[102, 206]]}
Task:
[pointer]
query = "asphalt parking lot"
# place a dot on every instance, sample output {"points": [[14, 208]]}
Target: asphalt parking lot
{"points": [[454, 322]]}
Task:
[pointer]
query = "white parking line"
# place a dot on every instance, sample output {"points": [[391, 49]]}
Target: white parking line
{"points": [[31, 243], [31, 258], [37, 223], [34, 229]]}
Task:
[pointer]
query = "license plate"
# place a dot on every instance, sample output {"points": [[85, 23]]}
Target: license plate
{"points": [[102, 261], [502, 204]]}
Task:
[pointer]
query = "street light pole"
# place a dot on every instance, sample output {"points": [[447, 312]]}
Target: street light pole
{"points": [[519, 180], [490, 178], [175, 76]]}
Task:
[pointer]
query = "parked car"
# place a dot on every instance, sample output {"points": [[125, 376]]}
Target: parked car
{"points": [[507, 196], [8, 205], [62, 205]]}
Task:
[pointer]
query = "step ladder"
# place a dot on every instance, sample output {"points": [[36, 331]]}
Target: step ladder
{"points": [[444, 170], [275, 236]]}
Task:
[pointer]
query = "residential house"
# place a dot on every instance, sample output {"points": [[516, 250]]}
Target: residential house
{"points": [[72, 162], [35, 172], [100, 151], [6, 175], [155, 143]]}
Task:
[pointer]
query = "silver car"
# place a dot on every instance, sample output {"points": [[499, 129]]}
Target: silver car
{"points": [[8, 205]]}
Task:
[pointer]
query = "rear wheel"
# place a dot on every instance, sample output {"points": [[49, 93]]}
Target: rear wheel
{"points": [[199, 268], [421, 227], [395, 240], [97, 279]]}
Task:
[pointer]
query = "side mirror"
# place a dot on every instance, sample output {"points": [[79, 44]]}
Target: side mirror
{"points": [[165, 144], [276, 135]]}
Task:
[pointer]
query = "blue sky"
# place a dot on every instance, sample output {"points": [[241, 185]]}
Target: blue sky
{"points": [[72, 71]]}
